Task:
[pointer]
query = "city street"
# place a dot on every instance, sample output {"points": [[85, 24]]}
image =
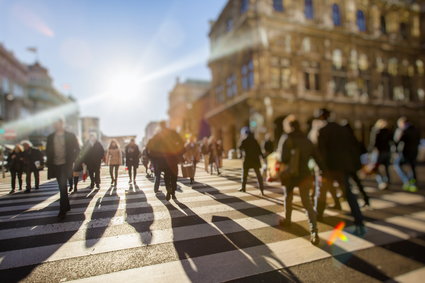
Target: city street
{"points": [[211, 233]]}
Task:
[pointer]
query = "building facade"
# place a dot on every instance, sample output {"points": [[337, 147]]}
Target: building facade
{"points": [[29, 103], [362, 59], [89, 126], [181, 100]]}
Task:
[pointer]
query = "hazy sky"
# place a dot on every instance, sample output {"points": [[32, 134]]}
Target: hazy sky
{"points": [[120, 58]]}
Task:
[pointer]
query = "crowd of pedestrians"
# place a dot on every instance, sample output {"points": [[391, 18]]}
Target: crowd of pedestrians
{"points": [[326, 159]]}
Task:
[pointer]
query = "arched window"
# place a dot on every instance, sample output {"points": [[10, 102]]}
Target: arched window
{"points": [[278, 5], [336, 15], [361, 20], [308, 9]]}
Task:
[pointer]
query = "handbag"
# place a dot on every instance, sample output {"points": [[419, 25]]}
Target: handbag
{"points": [[188, 170]]}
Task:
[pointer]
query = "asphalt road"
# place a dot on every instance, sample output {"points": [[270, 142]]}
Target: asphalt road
{"points": [[211, 233]]}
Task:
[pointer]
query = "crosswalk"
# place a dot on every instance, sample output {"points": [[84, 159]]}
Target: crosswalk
{"points": [[211, 233]]}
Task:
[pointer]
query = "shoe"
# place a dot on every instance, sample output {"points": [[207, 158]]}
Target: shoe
{"points": [[168, 196], [285, 222], [413, 188], [242, 190], [112, 181], [37, 188], [130, 181], [27, 191], [366, 202], [314, 238], [262, 192], [98, 186], [61, 215], [383, 186], [70, 189], [11, 192], [359, 230], [406, 187], [174, 196]]}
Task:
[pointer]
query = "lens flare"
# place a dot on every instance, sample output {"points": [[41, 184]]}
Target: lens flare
{"points": [[337, 233]]}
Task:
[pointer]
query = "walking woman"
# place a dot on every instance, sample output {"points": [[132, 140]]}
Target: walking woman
{"points": [[213, 155], [192, 156], [205, 153], [114, 160], [132, 155], [15, 164]]}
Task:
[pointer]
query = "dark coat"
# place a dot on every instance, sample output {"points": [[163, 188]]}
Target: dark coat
{"points": [[165, 148], [381, 139], [132, 155], [338, 148], [252, 152], [15, 161], [31, 156], [409, 142], [72, 149], [298, 142], [93, 155]]}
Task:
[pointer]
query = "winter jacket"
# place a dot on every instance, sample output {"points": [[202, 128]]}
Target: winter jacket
{"points": [[113, 156], [71, 152], [252, 152], [15, 161], [132, 155]]}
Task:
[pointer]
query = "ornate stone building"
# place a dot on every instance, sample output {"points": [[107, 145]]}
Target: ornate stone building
{"points": [[362, 59], [27, 91], [181, 102]]}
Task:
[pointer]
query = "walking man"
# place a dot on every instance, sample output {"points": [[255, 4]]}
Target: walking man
{"points": [[171, 149], [252, 154], [407, 139], [132, 155], [297, 150], [337, 150], [62, 149], [93, 155], [33, 163]]}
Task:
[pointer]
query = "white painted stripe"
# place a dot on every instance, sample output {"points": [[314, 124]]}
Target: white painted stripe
{"points": [[158, 213], [414, 276], [92, 203], [17, 258], [35, 203], [243, 263]]}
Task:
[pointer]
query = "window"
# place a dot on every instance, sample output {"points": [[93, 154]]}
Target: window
{"points": [[383, 24], [229, 24], [387, 82], [280, 73], [308, 9], [336, 15], [311, 80], [361, 21], [404, 30], [248, 75], [278, 5], [219, 94], [244, 6], [231, 86]]}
